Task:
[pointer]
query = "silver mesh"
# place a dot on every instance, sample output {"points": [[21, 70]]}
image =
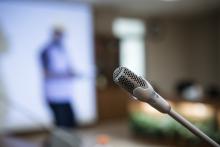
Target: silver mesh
{"points": [[117, 72], [127, 79]]}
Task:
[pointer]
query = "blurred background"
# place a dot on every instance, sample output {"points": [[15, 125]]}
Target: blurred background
{"points": [[56, 63]]}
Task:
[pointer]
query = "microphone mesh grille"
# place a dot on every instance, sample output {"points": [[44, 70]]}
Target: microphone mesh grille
{"points": [[134, 77], [117, 72], [128, 80], [126, 84]]}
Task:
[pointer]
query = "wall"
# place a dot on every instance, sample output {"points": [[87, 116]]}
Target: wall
{"points": [[103, 21], [167, 54], [205, 51], [185, 49], [219, 47], [182, 48]]}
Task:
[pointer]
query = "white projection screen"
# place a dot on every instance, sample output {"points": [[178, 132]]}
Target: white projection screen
{"points": [[25, 28]]}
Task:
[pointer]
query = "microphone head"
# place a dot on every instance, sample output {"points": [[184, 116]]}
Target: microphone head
{"points": [[128, 80]]}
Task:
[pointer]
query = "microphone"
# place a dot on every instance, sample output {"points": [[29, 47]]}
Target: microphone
{"points": [[143, 91]]}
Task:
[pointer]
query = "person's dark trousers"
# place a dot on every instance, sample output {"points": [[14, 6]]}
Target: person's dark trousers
{"points": [[63, 114]]}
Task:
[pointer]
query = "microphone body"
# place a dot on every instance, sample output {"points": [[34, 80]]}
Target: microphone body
{"points": [[152, 98], [143, 91], [140, 88]]}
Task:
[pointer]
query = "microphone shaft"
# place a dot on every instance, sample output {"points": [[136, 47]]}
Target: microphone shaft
{"points": [[192, 128]]}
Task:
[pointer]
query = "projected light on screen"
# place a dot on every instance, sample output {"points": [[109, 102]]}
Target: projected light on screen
{"points": [[27, 28]]}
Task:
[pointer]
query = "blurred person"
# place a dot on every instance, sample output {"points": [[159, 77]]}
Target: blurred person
{"points": [[58, 77]]}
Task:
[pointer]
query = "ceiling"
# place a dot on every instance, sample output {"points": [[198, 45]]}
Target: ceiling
{"points": [[157, 7]]}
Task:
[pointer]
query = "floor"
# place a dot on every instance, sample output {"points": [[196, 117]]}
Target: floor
{"points": [[112, 134], [118, 133]]}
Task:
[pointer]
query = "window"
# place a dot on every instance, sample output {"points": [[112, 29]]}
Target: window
{"points": [[131, 33]]}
